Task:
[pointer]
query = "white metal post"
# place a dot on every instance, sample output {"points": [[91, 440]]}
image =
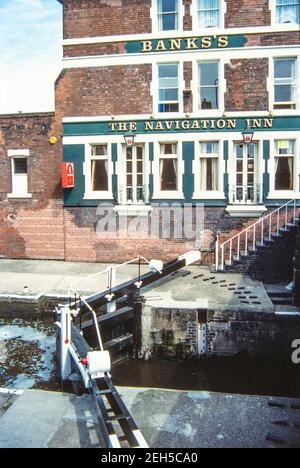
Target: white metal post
{"points": [[112, 282], [65, 342], [222, 260], [217, 253]]}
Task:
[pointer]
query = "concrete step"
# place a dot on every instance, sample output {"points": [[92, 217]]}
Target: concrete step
{"points": [[282, 300]]}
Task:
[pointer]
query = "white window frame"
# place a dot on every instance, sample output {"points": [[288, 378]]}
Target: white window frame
{"points": [[208, 31], [211, 194], [155, 22], [18, 154], [283, 194], [167, 194], [271, 85], [283, 26], [89, 193], [260, 168], [155, 88], [292, 84], [196, 86]]}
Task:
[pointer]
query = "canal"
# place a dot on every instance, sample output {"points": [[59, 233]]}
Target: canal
{"points": [[27, 360]]}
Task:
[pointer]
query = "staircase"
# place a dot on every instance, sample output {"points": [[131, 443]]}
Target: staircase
{"points": [[265, 250], [279, 294]]}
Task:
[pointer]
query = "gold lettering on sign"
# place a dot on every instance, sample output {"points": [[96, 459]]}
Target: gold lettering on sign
{"points": [[132, 127], [231, 123], [161, 45], [149, 126], [256, 123], [191, 43], [221, 123], [185, 125], [268, 123], [159, 126], [205, 123], [206, 43], [169, 125], [223, 42], [113, 126], [122, 127], [195, 125], [147, 46], [175, 44]]}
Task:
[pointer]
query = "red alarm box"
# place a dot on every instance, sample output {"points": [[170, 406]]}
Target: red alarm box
{"points": [[67, 175]]}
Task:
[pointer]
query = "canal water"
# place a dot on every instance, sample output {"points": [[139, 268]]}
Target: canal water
{"points": [[27, 360], [27, 354]]}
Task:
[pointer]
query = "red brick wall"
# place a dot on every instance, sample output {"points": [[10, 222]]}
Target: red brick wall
{"points": [[90, 18], [31, 228], [247, 13], [247, 85], [104, 91]]}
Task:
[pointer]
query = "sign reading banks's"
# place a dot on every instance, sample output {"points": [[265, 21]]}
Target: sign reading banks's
{"points": [[186, 44]]}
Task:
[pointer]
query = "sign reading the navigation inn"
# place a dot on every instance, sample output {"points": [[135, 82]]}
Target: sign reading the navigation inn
{"points": [[185, 125]]}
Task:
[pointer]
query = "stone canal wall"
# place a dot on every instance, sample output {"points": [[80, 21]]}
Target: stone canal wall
{"points": [[176, 332]]}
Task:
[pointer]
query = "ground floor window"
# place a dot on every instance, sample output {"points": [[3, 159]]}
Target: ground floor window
{"points": [[168, 166], [284, 164], [99, 168], [209, 161]]}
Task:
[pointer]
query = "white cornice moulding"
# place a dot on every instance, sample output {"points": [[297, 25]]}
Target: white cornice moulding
{"points": [[161, 57]]}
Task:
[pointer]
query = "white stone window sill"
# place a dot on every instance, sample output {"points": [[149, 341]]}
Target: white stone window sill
{"points": [[283, 194], [209, 195], [246, 211], [168, 196], [98, 196], [19, 195], [285, 112], [133, 210]]}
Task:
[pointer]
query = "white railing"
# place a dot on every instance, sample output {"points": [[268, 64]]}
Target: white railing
{"points": [[111, 279], [255, 235]]}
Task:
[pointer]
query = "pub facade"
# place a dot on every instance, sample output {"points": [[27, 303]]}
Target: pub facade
{"points": [[159, 102]]}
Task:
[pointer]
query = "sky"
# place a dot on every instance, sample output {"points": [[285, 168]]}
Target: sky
{"points": [[30, 57]]}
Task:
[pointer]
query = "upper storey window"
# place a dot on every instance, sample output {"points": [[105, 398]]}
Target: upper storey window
{"points": [[285, 83], [287, 11], [208, 13], [168, 83], [167, 15], [208, 85]]}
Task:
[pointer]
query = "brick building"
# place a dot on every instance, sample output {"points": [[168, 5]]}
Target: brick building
{"points": [[186, 78]]}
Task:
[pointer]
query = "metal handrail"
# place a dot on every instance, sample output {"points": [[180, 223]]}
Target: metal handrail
{"points": [[117, 266], [261, 225]]}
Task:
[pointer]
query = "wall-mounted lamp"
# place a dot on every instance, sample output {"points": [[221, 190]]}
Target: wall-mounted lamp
{"points": [[129, 139]]}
